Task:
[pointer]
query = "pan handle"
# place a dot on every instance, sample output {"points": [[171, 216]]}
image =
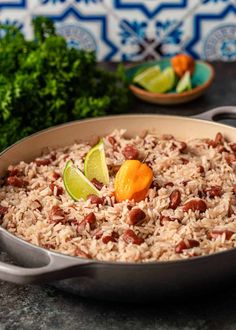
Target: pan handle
{"points": [[45, 265], [226, 111]]}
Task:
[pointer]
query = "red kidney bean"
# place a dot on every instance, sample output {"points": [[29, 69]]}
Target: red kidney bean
{"points": [[37, 205], [230, 210], [114, 168], [130, 152], [110, 238], [59, 190], [82, 254], [221, 149], [184, 161], [173, 146], [192, 243], [180, 247], [107, 239], [135, 216], [49, 246], [219, 139], [163, 219], [175, 199], [167, 137], [91, 219], [230, 158], [200, 194], [53, 156], [98, 233], [234, 188], [42, 161], [195, 205], [3, 211], [186, 244], [129, 236], [155, 185], [232, 202], [213, 191], [73, 221], [168, 184], [14, 172], [233, 147], [57, 214], [183, 146], [95, 199], [81, 226], [200, 169], [215, 233], [212, 143], [16, 182], [112, 140], [97, 183], [56, 175]]}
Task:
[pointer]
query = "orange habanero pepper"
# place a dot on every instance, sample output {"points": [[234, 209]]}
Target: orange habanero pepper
{"points": [[182, 63], [132, 181]]}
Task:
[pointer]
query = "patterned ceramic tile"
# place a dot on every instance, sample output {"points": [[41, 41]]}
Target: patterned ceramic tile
{"points": [[149, 7], [215, 34], [133, 29], [12, 4]]}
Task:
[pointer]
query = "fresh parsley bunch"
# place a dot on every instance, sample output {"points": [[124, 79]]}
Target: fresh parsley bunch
{"points": [[44, 82]]}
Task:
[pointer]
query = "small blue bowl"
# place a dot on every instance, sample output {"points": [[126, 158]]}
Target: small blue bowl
{"points": [[201, 80]]}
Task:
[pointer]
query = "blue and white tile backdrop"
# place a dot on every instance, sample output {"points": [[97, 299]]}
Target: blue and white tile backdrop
{"points": [[135, 30]]}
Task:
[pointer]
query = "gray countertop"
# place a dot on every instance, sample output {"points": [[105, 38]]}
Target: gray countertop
{"points": [[43, 307]]}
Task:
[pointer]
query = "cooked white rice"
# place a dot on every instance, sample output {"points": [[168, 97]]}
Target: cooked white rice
{"points": [[26, 210]]}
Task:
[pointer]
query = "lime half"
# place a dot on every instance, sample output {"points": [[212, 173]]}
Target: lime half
{"points": [[185, 83], [164, 82], [76, 184], [95, 166], [145, 76]]}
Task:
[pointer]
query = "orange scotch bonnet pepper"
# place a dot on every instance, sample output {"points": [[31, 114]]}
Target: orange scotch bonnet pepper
{"points": [[182, 63], [132, 181]]}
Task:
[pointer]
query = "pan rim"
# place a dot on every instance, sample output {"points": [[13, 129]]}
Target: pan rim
{"points": [[120, 116]]}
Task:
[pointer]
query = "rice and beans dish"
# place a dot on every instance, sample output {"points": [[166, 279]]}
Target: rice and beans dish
{"points": [[187, 209]]}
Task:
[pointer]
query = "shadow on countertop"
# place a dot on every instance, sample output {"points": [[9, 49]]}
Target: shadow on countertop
{"points": [[43, 307]]}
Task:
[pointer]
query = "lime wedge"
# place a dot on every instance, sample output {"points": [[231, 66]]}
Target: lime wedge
{"points": [[76, 184], [146, 75], [185, 83], [95, 166], [164, 82]]}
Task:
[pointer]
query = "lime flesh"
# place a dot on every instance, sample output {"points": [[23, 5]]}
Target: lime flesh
{"points": [[185, 83], [164, 82], [95, 166], [76, 184], [145, 76]]}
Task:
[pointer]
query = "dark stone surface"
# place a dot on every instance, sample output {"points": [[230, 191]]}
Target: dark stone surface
{"points": [[43, 307]]}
